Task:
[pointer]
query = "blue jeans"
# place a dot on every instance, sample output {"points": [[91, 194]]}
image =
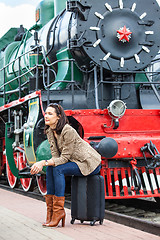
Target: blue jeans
{"points": [[55, 177]]}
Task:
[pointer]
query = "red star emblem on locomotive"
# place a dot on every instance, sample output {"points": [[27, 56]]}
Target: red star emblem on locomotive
{"points": [[124, 34]]}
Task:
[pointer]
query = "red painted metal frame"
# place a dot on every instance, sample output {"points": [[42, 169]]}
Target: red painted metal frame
{"points": [[136, 128], [21, 100], [13, 104]]}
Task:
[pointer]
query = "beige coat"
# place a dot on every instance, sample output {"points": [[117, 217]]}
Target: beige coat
{"points": [[73, 148]]}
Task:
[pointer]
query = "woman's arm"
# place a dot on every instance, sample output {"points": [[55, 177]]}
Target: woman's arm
{"points": [[38, 166], [68, 148]]}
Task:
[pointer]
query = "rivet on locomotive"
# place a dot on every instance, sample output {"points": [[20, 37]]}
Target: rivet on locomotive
{"points": [[100, 60]]}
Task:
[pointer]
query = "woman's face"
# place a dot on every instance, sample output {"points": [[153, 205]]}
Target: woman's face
{"points": [[51, 117]]}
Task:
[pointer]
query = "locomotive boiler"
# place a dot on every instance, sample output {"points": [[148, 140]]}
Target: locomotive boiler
{"points": [[100, 61]]}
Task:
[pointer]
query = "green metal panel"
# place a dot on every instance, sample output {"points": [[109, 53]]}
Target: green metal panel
{"points": [[140, 78], [8, 38], [12, 51], [33, 59], [9, 72], [45, 12], [9, 151], [1, 77], [64, 70], [4, 61], [1, 64], [59, 5], [28, 137], [44, 152]]}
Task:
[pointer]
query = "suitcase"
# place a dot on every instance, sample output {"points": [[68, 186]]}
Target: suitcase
{"points": [[87, 199]]}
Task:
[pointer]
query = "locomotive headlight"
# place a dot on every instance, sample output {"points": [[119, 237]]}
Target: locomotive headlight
{"points": [[116, 109]]}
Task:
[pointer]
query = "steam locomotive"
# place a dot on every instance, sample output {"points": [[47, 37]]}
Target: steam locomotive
{"points": [[101, 62]]}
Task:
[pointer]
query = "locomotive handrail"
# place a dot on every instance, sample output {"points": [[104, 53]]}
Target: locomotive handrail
{"points": [[17, 77], [38, 65], [19, 74], [105, 82], [57, 61], [30, 70], [54, 63], [154, 89], [135, 72], [69, 60], [131, 72], [18, 58], [47, 86], [120, 82], [15, 90], [73, 60], [12, 91], [55, 20]]}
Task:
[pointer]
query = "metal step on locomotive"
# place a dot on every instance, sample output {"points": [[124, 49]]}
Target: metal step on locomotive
{"points": [[100, 61]]}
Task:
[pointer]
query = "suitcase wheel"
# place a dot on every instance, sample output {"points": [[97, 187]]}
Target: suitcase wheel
{"points": [[72, 220], [92, 222], [101, 222]]}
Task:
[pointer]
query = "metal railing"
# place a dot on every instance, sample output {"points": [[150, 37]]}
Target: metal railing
{"points": [[18, 77], [48, 83], [46, 65]]}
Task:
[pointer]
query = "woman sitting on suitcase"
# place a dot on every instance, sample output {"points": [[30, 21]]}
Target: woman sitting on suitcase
{"points": [[71, 155]]}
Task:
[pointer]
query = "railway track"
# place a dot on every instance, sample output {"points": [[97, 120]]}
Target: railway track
{"points": [[137, 213]]}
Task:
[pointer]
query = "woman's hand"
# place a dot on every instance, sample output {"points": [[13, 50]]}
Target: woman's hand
{"points": [[37, 167]]}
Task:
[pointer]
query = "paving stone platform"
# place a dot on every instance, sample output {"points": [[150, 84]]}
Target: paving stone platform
{"points": [[21, 218]]}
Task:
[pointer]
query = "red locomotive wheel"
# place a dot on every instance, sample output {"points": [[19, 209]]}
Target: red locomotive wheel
{"points": [[41, 182], [12, 180], [22, 163]]}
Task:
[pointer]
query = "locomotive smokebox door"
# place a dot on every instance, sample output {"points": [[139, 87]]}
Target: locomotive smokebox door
{"points": [[121, 35]]}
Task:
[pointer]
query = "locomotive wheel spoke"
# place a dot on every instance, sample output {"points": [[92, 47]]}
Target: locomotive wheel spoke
{"points": [[41, 182], [12, 180], [27, 183]]}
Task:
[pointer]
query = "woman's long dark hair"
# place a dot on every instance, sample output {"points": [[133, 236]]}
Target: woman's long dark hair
{"points": [[62, 121]]}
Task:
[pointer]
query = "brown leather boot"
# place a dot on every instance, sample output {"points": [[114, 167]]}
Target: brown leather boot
{"points": [[58, 212], [49, 202]]}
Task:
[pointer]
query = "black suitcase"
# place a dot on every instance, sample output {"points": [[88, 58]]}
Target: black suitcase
{"points": [[87, 199]]}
